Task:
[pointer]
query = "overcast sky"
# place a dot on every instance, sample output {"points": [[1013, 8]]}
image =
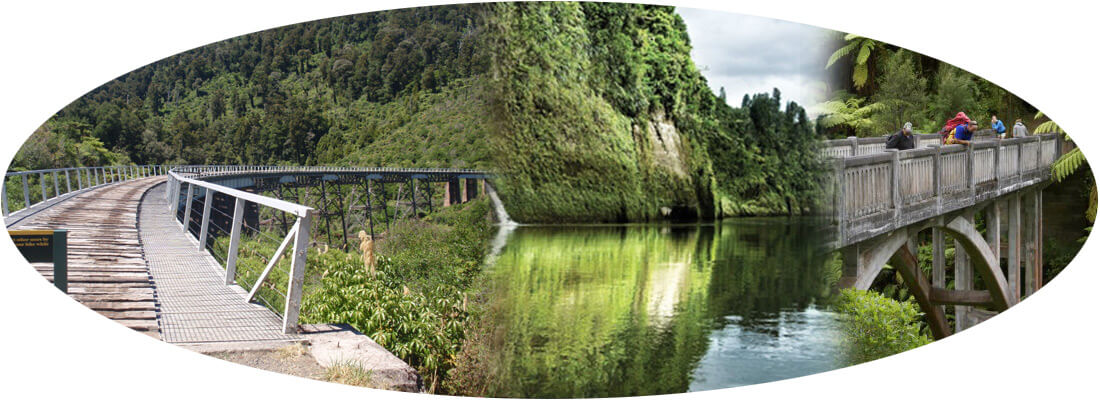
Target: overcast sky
{"points": [[748, 54]]}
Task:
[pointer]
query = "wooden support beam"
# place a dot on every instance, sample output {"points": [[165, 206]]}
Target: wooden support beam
{"points": [[974, 245], [906, 263], [939, 260], [1013, 249], [962, 297], [1030, 242], [964, 280]]}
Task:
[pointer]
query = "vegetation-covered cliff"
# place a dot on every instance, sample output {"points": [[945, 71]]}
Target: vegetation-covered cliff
{"points": [[601, 115]]}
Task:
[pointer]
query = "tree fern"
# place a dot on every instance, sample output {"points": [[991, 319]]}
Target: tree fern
{"points": [[861, 64], [1068, 163]]}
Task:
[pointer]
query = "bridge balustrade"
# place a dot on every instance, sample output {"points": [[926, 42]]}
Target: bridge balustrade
{"points": [[883, 190]]}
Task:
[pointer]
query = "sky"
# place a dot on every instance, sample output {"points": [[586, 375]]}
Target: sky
{"points": [[747, 54]]}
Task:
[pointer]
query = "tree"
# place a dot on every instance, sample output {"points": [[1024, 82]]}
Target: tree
{"points": [[955, 91], [901, 91], [1068, 163]]}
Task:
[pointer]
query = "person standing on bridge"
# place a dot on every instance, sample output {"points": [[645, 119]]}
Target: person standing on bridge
{"points": [[998, 126], [1019, 130], [903, 139], [964, 133]]}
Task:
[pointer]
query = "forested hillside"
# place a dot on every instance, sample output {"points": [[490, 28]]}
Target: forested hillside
{"points": [[590, 112], [395, 88], [602, 115]]}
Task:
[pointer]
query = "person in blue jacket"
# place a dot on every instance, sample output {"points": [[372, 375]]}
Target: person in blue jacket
{"points": [[998, 126], [964, 133]]}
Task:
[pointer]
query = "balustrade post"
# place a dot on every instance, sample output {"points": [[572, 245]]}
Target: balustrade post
{"points": [[234, 242], [42, 185], [56, 186], [840, 207], [297, 274], [204, 228], [970, 175], [895, 181], [68, 182], [187, 208], [4, 195], [854, 142], [26, 192]]}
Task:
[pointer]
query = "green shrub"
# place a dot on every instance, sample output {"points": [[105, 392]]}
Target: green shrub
{"points": [[876, 326]]}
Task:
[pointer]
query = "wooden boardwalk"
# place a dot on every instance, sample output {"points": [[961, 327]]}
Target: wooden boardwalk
{"points": [[107, 270], [130, 261]]}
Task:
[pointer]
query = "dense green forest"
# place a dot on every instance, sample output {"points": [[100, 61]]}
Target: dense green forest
{"points": [[393, 88], [602, 115], [878, 87], [590, 111]]}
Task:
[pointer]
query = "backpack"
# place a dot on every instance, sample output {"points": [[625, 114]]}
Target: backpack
{"points": [[947, 134]]}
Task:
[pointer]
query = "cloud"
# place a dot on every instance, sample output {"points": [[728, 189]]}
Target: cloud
{"points": [[747, 54]]}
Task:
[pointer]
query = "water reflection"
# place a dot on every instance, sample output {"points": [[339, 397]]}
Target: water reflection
{"points": [[585, 311]]}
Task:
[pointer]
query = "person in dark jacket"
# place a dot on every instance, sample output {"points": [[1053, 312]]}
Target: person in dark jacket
{"points": [[903, 139]]}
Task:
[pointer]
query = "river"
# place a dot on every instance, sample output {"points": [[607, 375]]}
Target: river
{"points": [[625, 310]]}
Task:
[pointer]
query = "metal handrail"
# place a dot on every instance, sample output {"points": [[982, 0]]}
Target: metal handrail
{"points": [[82, 178], [299, 233]]}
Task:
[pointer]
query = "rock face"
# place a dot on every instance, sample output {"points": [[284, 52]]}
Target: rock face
{"points": [[332, 344], [665, 144]]}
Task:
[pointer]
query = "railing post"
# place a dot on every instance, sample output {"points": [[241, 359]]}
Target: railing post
{"points": [[68, 182], [937, 171], [297, 274], [1019, 161], [42, 184], [26, 192], [234, 242], [4, 194], [187, 208], [56, 186], [970, 176], [841, 205], [203, 229], [854, 143], [895, 181]]}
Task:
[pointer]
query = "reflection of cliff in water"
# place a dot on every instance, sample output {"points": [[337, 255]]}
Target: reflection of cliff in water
{"points": [[631, 310]]}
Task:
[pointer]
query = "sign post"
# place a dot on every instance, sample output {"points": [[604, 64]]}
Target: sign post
{"points": [[46, 246]]}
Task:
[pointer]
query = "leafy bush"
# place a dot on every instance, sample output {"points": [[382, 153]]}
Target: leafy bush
{"points": [[876, 326]]}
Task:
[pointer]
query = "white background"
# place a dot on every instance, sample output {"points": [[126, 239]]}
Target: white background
{"points": [[53, 52]]}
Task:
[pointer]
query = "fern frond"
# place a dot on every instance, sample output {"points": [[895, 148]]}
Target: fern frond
{"points": [[1048, 127], [1067, 164], [841, 53], [859, 75], [1090, 214], [865, 50]]}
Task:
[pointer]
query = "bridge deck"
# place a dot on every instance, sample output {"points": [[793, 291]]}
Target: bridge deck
{"points": [[106, 270], [130, 261], [196, 306]]}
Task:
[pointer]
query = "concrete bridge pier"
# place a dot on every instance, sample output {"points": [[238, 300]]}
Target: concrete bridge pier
{"points": [[977, 255]]}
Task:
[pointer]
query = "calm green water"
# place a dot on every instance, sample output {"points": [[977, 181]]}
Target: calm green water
{"points": [[586, 311]]}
